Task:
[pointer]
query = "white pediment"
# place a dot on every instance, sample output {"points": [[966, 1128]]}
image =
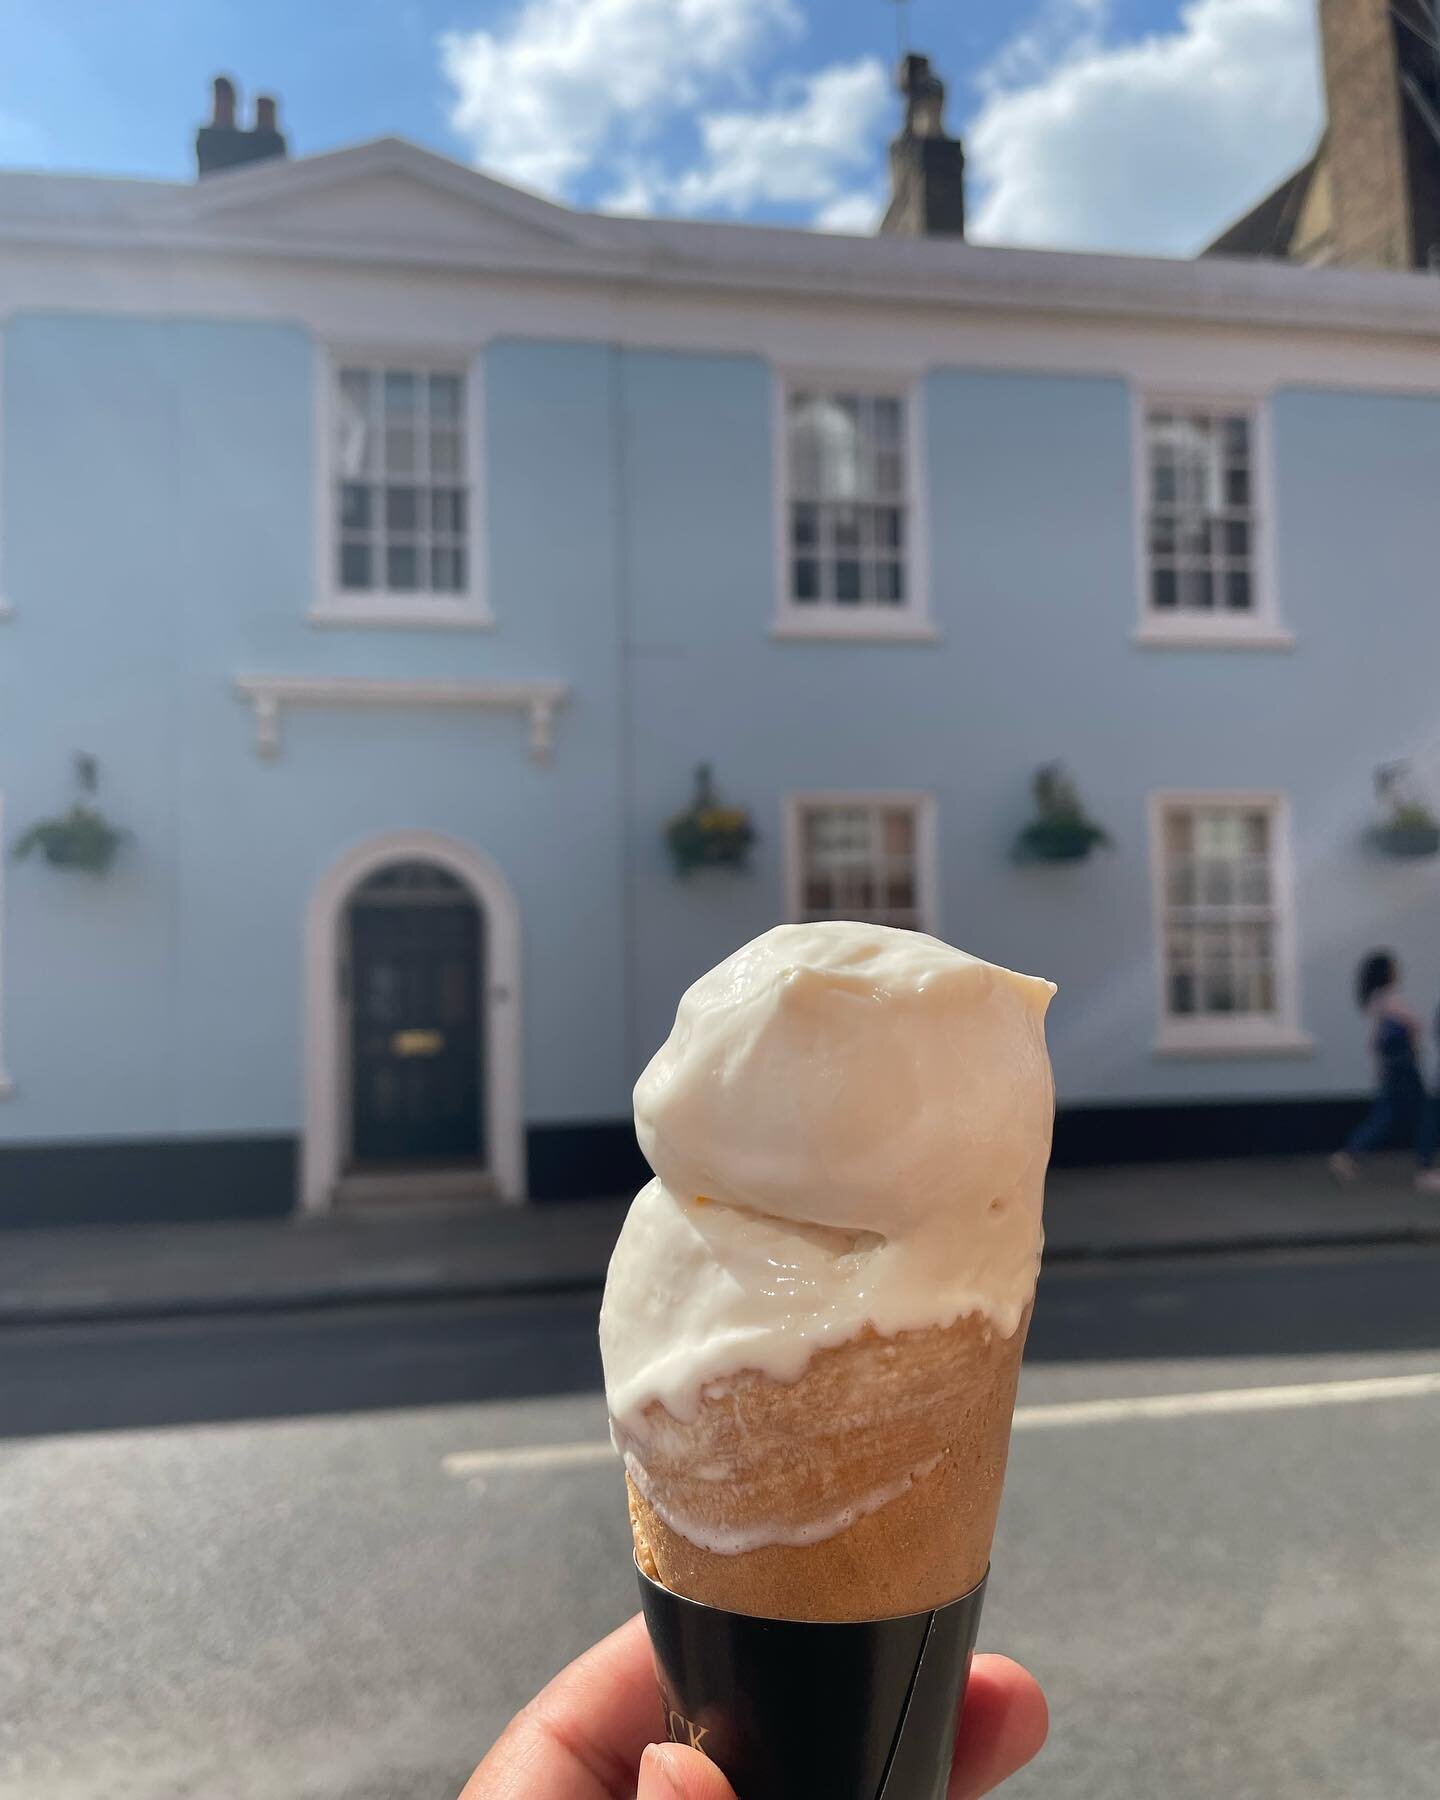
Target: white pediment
{"points": [[385, 194], [384, 209]]}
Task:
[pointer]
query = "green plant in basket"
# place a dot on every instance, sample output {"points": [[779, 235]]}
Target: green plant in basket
{"points": [[1409, 828], [1061, 831], [82, 838], [709, 834]]}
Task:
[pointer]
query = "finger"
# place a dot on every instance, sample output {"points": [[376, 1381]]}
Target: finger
{"points": [[669, 1772], [583, 1735], [1002, 1725]]}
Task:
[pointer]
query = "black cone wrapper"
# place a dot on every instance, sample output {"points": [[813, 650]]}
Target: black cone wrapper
{"points": [[792, 1711]]}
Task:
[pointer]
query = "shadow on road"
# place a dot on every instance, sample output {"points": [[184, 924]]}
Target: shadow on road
{"points": [[105, 1377], [1265, 1304], [259, 1366]]}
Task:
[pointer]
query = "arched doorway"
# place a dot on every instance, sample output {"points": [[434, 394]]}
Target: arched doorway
{"points": [[412, 1026], [413, 976]]}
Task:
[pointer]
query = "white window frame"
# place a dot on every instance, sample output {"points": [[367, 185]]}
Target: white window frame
{"points": [[927, 857], [1263, 628], [911, 620], [334, 605], [7, 1086], [1227, 1036]]}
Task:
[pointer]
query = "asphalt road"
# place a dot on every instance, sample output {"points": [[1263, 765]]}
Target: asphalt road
{"points": [[341, 1586]]}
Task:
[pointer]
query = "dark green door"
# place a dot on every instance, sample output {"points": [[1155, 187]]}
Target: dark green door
{"points": [[416, 972]]}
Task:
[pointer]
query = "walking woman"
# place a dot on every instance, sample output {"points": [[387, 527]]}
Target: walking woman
{"points": [[1402, 1108]]}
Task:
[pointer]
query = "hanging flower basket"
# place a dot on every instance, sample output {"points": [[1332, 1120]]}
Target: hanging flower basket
{"points": [[82, 838], [1061, 831], [1059, 840], [1411, 829], [709, 835], [1410, 833]]}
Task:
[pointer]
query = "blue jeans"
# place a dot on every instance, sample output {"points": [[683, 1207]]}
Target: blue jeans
{"points": [[1402, 1110]]}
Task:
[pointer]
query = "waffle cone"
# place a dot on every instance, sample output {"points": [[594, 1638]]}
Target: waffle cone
{"points": [[879, 1471]]}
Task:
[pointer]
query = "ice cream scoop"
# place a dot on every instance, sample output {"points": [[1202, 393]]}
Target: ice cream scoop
{"points": [[849, 1126], [849, 1075]]}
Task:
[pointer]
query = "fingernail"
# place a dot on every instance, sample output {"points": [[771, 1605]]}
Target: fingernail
{"points": [[658, 1774]]}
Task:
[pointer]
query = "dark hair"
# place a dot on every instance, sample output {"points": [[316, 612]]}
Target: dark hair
{"points": [[1378, 970]]}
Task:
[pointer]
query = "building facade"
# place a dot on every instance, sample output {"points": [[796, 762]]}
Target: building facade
{"points": [[1369, 193], [397, 545]]}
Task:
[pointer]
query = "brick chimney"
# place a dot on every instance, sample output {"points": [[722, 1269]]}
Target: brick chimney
{"points": [[1382, 146], [927, 168], [222, 144]]}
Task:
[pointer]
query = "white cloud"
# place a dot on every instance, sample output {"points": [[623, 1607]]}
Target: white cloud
{"points": [[1060, 30], [807, 149], [637, 193], [855, 215], [1152, 145], [541, 99], [569, 85]]}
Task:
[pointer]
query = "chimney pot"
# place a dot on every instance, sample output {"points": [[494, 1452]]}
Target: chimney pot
{"points": [[914, 70], [924, 98], [224, 112], [265, 118]]}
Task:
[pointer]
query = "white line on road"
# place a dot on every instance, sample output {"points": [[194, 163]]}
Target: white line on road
{"points": [[1033, 1418], [527, 1456], [1227, 1400]]}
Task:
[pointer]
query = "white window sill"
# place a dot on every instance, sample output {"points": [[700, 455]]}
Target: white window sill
{"points": [[401, 612], [1215, 1044], [854, 626], [1205, 634]]}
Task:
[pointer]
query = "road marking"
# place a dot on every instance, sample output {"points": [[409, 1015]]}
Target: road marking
{"points": [[527, 1456], [1031, 1418], [1226, 1400]]}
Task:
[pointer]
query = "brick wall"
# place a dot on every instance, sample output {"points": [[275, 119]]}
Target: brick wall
{"points": [[1366, 146]]}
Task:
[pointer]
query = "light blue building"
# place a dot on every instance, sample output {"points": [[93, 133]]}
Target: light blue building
{"points": [[398, 544]]}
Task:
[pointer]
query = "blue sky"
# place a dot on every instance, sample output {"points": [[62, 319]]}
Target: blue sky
{"points": [[1117, 124]]}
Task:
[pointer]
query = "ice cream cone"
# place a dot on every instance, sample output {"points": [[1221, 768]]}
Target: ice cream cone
{"points": [[812, 1331], [866, 1489]]}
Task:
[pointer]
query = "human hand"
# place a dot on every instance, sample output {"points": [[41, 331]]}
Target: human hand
{"points": [[590, 1734]]}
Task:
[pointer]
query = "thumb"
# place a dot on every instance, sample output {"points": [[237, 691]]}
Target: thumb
{"points": [[670, 1772]]}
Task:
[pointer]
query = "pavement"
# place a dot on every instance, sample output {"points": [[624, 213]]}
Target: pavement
{"points": [[1219, 1548], [173, 1271]]}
